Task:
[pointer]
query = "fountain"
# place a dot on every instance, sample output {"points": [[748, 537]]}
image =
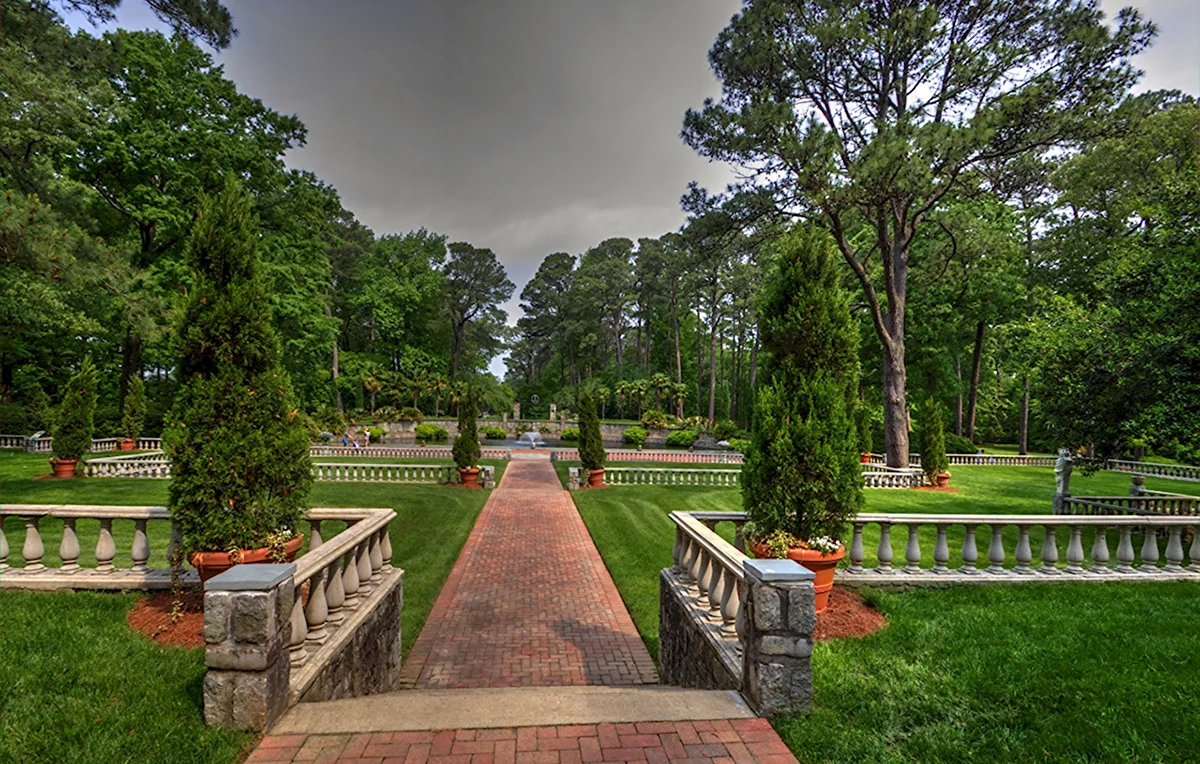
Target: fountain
{"points": [[532, 438]]}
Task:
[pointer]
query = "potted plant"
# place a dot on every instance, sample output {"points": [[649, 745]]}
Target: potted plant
{"points": [[133, 412], [466, 444], [72, 430], [591, 447], [931, 442], [239, 451], [802, 481]]}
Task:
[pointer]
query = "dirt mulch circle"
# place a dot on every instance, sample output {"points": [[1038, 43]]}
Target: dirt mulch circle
{"points": [[151, 617], [847, 616], [934, 488], [52, 476]]}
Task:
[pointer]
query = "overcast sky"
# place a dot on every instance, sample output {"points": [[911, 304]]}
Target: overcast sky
{"points": [[525, 126]]}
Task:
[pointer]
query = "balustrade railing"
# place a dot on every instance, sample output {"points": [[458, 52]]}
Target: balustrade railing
{"points": [[1174, 471], [893, 477], [630, 455], [40, 445], [407, 452], [997, 460], [651, 476], [397, 473], [12, 441], [149, 444], [1151, 503], [99, 445], [712, 568], [151, 465], [335, 580]]}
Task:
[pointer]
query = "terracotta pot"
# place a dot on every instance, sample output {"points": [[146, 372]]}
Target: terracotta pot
{"points": [[209, 564], [822, 565], [469, 477], [126, 444], [596, 478], [865, 458], [63, 468], [943, 479]]}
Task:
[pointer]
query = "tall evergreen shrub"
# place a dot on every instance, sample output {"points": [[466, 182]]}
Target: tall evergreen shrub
{"points": [[134, 412], [73, 424], [466, 444], [591, 446], [931, 438], [802, 473], [238, 449]]}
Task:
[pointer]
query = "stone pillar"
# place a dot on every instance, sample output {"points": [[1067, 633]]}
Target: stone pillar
{"points": [[247, 626], [517, 411], [779, 616]]}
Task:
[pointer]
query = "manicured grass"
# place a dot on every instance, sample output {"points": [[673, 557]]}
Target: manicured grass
{"points": [[1074, 672], [80, 686]]}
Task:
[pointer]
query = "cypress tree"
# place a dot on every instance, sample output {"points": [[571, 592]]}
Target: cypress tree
{"points": [[73, 425], [466, 444], [238, 450], [135, 408], [802, 474], [931, 439], [591, 446]]}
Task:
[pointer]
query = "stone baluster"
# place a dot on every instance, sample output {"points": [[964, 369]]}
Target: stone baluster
{"points": [[106, 550], [857, 554], [316, 612], [1050, 551], [139, 552], [884, 551], [703, 579], [1150, 551], [941, 552], [1125, 556], [314, 539], [996, 554], [385, 548], [296, 651], [912, 551], [3, 546], [677, 550], [33, 551], [1100, 551], [1175, 550], [970, 553], [375, 557], [1075, 550], [1024, 553], [729, 604], [350, 581], [68, 550], [716, 591], [694, 562], [335, 595], [365, 585]]}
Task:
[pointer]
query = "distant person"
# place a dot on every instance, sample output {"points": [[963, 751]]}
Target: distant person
{"points": [[345, 439], [367, 436]]}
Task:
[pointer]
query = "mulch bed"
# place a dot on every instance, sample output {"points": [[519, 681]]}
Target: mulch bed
{"points": [[847, 616], [151, 617], [947, 489], [52, 476]]}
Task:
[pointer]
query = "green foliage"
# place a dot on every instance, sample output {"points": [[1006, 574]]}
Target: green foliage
{"points": [[862, 421], [411, 414], [591, 447], [134, 412], [725, 429], [239, 453], [431, 433], [491, 432], [931, 438], [957, 444], [466, 443], [654, 419], [802, 472], [682, 438], [570, 434], [741, 445], [376, 433], [73, 423], [635, 436]]}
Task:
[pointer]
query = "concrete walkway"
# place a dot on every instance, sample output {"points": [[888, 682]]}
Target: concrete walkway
{"points": [[529, 601]]}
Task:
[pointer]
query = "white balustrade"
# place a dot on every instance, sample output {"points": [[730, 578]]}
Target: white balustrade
{"points": [[995, 460], [1148, 504], [663, 455], [12, 441], [157, 465], [672, 477], [1186, 472], [893, 478], [710, 569], [406, 452]]}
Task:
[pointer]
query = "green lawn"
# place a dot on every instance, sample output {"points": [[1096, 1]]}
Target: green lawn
{"points": [[986, 674], [432, 524]]}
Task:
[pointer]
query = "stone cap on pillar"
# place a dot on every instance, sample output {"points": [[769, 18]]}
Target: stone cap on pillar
{"points": [[250, 578], [775, 571]]}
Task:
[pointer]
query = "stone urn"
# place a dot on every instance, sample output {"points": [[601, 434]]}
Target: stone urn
{"points": [[822, 565], [469, 477], [63, 468], [596, 478], [209, 564], [942, 479]]}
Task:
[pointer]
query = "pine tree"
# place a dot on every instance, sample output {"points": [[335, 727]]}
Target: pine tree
{"points": [[238, 450], [802, 474], [135, 408], [73, 425], [591, 447], [466, 444], [931, 439]]}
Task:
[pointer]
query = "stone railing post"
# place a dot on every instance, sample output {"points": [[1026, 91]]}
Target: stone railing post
{"points": [[779, 616], [247, 627]]}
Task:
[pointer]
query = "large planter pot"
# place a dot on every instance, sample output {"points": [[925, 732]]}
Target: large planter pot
{"points": [[596, 478], [209, 564], [865, 458], [469, 477], [63, 468], [822, 565], [126, 444], [942, 479]]}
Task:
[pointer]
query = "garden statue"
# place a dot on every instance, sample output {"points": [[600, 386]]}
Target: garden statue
{"points": [[1062, 478], [517, 411]]}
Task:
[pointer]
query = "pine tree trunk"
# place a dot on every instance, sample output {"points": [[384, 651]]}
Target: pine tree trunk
{"points": [[1024, 437], [976, 368], [678, 356], [958, 402]]}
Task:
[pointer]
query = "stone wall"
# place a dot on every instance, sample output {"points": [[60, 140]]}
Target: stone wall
{"points": [[688, 655], [368, 662]]}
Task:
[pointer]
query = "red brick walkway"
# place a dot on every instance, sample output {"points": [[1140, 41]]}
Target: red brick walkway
{"points": [[738, 741], [529, 601]]}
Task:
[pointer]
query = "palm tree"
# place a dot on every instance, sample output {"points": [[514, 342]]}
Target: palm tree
{"points": [[438, 384], [623, 389], [602, 394], [679, 392], [372, 381], [638, 390], [661, 384]]}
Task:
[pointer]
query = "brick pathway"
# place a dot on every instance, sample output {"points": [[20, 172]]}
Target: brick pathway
{"points": [[529, 601], [738, 741]]}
